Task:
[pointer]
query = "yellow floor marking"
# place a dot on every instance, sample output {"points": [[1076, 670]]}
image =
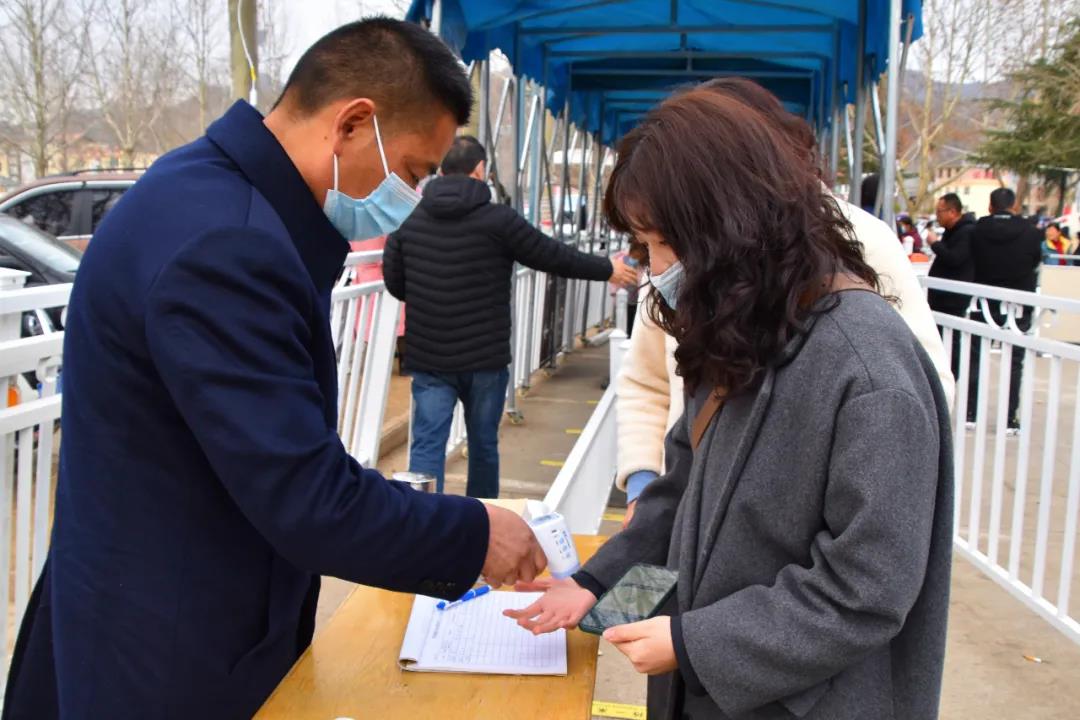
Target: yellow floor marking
{"points": [[618, 710], [553, 463], [615, 516], [573, 431], [592, 402]]}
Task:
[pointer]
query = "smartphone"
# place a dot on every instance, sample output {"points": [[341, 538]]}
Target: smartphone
{"points": [[638, 595]]}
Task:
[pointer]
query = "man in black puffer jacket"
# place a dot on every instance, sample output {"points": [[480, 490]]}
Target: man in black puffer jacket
{"points": [[1007, 251], [451, 261]]}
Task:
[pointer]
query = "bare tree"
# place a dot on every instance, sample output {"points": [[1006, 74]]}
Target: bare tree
{"points": [[946, 60], [131, 68], [41, 56], [202, 24], [275, 45]]}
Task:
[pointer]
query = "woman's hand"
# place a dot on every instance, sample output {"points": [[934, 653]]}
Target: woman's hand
{"points": [[647, 644], [562, 605]]}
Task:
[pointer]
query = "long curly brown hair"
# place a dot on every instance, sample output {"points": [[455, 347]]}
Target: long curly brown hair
{"points": [[742, 206]]}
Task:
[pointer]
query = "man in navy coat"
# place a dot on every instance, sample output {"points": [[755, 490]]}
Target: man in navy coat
{"points": [[203, 488]]}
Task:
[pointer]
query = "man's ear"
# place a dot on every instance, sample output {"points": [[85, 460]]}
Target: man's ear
{"points": [[479, 172]]}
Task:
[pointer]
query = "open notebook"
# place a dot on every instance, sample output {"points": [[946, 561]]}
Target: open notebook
{"points": [[475, 637]]}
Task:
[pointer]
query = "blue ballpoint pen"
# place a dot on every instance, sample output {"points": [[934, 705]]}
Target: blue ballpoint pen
{"points": [[474, 593]]}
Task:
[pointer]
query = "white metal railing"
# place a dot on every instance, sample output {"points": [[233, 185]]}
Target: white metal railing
{"points": [[1017, 496], [363, 322], [582, 487], [28, 445]]}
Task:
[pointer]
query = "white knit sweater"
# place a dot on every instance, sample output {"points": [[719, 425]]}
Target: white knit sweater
{"points": [[650, 394]]}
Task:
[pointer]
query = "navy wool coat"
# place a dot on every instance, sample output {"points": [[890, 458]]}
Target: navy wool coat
{"points": [[203, 488]]}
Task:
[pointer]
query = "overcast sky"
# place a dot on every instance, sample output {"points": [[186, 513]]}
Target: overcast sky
{"points": [[311, 19]]}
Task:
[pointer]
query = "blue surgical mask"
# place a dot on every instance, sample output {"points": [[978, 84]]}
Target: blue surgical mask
{"points": [[669, 283], [380, 213]]}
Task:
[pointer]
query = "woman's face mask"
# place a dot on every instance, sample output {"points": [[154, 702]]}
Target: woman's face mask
{"points": [[380, 213], [669, 283]]}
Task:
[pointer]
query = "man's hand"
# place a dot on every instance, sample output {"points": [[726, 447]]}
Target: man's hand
{"points": [[513, 553], [931, 237], [647, 644], [562, 605], [622, 274], [629, 513]]}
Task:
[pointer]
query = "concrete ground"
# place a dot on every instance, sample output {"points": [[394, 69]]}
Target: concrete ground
{"points": [[990, 633]]}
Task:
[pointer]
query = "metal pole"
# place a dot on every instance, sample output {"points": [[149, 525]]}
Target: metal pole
{"points": [[436, 17], [850, 150], [888, 181], [564, 176], [515, 194], [595, 214], [572, 285], [527, 143], [499, 113], [536, 162], [537, 159], [860, 108], [837, 104], [484, 127], [834, 145], [879, 137]]}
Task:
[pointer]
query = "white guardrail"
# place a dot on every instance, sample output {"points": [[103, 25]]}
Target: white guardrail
{"points": [[1017, 500]]}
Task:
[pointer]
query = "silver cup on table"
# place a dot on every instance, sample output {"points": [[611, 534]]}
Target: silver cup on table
{"points": [[420, 482]]}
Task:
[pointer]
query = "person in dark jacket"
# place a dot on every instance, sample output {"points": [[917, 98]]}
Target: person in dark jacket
{"points": [[451, 261], [952, 261], [203, 488], [1006, 250]]}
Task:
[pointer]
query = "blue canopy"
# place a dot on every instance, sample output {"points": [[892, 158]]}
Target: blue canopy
{"points": [[613, 59]]}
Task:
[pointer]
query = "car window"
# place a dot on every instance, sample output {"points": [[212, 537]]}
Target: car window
{"points": [[49, 211], [101, 202], [41, 248]]}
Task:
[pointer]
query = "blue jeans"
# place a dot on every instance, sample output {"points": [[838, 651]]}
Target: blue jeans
{"points": [[434, 395]]}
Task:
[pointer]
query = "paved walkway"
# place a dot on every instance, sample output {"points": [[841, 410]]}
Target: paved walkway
{"points": [[986, 674]]}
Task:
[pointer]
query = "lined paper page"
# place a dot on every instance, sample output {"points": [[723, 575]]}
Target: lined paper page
{"points": [[476, 637], [417, 630]]}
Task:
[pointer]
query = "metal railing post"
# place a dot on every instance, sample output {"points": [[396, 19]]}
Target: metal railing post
{"points": [[855, 194], [892, 114]]}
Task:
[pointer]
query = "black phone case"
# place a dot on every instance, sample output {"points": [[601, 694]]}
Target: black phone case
{"points": [[596, 628]]}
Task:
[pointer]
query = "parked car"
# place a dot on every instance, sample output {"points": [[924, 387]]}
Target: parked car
{"points": [[69, 207], [48, 261]]}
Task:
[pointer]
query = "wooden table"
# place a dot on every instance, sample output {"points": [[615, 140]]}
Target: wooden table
{"points": [[351, 671]]}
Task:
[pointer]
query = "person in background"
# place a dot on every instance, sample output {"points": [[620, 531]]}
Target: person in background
{"points": [[908, 232], [813, 546], [203, 486], [452, 262], [1056, 246], [952, 261], [1006, 251], [868, 192], [650, 392]]}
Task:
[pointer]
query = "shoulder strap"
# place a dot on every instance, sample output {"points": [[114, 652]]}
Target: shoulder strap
{"points": [[705, 414]]}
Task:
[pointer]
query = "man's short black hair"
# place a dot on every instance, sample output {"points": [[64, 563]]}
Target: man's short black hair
{"points": [[868, 191], [464, 155], [402, 67], [952, 200], [1002, 200]]}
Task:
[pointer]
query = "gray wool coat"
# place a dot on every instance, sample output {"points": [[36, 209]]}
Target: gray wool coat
{"points": [[812, 532]]}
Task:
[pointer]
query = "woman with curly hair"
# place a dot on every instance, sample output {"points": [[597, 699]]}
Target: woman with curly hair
{"points": [[807, 506]]}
